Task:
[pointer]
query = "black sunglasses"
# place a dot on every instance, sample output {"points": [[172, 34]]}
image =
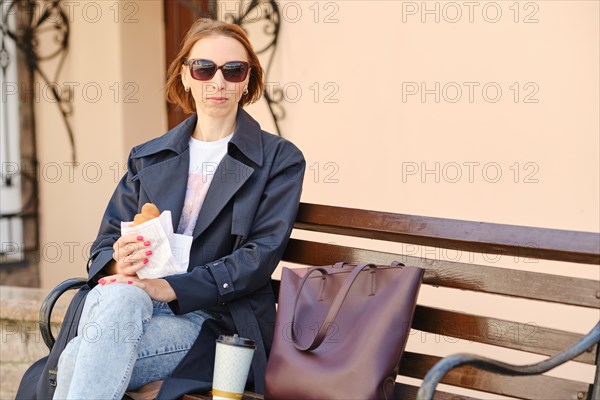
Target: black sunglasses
{"points": [[203, 70]]}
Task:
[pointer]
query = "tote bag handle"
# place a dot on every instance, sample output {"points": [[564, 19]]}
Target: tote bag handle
{"points": [[333, 309]]}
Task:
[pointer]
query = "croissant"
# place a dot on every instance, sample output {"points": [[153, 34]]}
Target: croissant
{"points": [[149, 211]]}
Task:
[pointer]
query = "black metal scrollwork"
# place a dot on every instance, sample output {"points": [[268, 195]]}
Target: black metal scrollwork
{"points": [[253, 14], [40, 32]]}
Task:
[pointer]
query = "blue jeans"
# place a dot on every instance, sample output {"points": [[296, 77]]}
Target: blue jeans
{"points": [[124, 341]]}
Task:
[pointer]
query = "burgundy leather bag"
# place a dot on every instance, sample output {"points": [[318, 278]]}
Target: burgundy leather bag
{"points": [[341, 331]]}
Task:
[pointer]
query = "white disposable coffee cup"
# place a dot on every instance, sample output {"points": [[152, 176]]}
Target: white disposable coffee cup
{"points": [[232, 364]]}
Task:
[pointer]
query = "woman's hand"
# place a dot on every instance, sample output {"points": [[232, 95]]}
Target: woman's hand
{"points": [[130, 254], [157, 289]]}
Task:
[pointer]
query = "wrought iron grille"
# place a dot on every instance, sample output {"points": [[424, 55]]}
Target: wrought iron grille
{"points": [[26, 24]]}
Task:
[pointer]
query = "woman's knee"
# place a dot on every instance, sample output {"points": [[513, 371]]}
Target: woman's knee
{"points": [[122, 294], [120, 298]]}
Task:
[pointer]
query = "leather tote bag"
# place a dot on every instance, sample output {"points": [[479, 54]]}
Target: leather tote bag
{"points": [[341, 331]]}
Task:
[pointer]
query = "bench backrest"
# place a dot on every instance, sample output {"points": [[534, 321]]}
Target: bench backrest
{"points": [[415, 239]]}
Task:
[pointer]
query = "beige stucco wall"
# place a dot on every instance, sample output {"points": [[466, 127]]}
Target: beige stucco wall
{"points": [[116, 61], [533, 160], [355, 74]]}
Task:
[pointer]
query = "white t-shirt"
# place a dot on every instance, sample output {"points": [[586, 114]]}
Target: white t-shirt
{"points": [[204, 160]]}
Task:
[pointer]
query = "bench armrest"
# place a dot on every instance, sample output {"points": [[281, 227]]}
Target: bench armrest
{"points": [[439, 370], [48, 306]]}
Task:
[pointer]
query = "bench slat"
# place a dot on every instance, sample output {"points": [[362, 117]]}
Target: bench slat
{"points": [[538, 387], [479, 278], [403, 391], [481, 237], [503, 333]]}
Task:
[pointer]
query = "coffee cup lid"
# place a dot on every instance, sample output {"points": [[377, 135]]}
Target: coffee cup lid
{"points": [[236, 340]]}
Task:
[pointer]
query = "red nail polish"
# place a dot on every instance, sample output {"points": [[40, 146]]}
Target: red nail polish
{"points": [[146, 243], [140, 238], [130, 282], [101, 281], [149, 253], [145, 261], [113, 280]]}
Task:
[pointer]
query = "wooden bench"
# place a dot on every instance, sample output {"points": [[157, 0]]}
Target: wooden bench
{"points": [[455, 268]]}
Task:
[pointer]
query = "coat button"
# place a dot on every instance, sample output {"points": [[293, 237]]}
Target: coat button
{"points": [[225, 285]]}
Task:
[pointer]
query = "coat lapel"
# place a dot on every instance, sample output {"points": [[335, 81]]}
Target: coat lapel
{"points": [[230, 176], [166, 184]]}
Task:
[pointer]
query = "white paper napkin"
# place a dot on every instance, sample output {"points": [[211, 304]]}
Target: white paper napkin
{"points": [[170, 251]]}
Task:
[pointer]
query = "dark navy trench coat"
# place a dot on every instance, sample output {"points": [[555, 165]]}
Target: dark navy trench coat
{"points": [[239, 238]]}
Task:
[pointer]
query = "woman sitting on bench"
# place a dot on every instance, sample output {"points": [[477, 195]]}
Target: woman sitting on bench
{"points": [[231, 186]]}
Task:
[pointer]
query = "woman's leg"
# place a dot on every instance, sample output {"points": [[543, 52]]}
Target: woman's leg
{"points": [[66, 366], [98, 363], [165, 341]]}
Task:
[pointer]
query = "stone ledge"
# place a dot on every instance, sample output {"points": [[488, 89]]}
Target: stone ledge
{"points": [[21, 342], [10, 377], [23, 304]]}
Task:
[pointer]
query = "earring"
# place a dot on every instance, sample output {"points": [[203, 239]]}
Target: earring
{"points": [[246, 90], [186, 88]]}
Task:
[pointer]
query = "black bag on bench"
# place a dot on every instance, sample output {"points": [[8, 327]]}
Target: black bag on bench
{"points": [[39, 381]]}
